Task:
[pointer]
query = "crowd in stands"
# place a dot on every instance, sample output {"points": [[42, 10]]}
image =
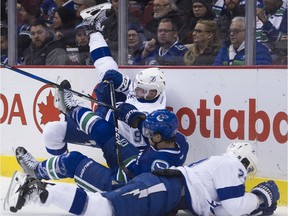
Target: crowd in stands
{"points": [[160, 32]]}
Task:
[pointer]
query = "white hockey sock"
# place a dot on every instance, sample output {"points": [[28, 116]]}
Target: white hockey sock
{"points": [[99, 52], [54, 134], [66, 197], [98, 205]]}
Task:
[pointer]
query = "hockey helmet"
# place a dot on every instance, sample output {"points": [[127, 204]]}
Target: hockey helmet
{"points": [[246, 154], [160, 121], [150, 79]]}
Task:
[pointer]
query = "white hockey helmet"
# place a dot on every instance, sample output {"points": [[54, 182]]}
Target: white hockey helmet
{"points": [[150, 79], [246, 154]]}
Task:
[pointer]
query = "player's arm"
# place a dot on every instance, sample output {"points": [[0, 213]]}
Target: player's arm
{"points": [[121, 82]]}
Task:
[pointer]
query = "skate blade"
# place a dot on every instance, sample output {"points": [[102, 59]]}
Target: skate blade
{"points": [[11, 197]]}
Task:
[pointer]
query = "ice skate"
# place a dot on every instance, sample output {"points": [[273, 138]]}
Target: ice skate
{"points": [[93, 17], [63, 98], [22, 190], [27, 162]]}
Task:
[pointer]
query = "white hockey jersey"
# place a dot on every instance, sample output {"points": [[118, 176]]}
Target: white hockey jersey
{"points": [[103, 61], [217, 186]]}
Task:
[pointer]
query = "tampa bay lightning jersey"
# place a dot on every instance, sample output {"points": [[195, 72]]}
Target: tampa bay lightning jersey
{"points": [[151, 159], [133, 135], [217, 185], [103, 61]]}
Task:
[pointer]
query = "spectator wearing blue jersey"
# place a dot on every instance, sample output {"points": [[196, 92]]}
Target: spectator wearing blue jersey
{"points": [[274, 18], [167, 147], [233, 53], [211, 186], [167, 50], [274, 30]]}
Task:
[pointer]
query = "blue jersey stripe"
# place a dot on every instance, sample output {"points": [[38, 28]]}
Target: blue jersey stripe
{"points": [[100, 53], [231, 192]]}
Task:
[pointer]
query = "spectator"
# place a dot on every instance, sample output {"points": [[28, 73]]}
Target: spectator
{"points": [[64, 25], [206, 44], [23, 42], [136, 41], [274, 29], [48, 8], [4, 44], [169, 51], [184, 7], [165, 9], [30, 10], [110, 31], [234, 53], [45, 49], [201, 9], [274, 19], [82, 47], [232, 9]]}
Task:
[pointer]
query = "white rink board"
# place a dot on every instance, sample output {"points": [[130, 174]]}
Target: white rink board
{"points": [[215, 106]]}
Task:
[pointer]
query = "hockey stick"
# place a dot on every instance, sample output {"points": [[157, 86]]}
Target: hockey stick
{"points": [[55, 85], [117, 135]]}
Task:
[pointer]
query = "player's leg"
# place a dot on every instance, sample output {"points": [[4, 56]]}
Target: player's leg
{"points": [[101, 54], [146, 194], [101, 131], [58, 134], [57, 167], [87, 173], [66, 196]]}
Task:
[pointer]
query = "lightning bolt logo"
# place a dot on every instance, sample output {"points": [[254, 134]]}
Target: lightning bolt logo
{"points": [[145, 192]]}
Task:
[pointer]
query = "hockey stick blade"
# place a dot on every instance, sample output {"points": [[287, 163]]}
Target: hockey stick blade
{"points": [[55, 85]]}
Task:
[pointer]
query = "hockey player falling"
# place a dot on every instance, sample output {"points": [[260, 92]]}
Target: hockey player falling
{"points": [[213, 186]]}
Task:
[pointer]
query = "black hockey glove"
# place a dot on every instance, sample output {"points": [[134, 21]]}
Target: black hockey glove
{"points": [[130, 115]]}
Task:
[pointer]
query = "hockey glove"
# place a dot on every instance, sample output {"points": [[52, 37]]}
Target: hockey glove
{"points": [[267, 211], [102, 91], [267, 192], [130, 115], [121, 82]]}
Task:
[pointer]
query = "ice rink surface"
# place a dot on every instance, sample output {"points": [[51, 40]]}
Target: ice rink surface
{"points": [[44, 211]]}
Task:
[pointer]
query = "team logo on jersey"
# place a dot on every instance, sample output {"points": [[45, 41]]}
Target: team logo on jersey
{"points": [[241, 176], [159, 164], [145, 192]]}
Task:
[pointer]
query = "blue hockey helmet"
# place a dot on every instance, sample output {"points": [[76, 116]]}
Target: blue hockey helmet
{"points": [[160, 121]]}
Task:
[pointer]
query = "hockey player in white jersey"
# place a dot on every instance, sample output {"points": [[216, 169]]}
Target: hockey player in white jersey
{"points": [[146, 93], [212, 186]]}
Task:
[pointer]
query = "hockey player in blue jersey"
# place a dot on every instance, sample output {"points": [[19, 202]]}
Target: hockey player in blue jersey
{"points": [[212, 186], [146, 93], [166, 147]]}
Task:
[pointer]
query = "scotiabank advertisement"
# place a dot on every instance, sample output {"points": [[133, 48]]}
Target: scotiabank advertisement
{"points": [[214, 106]]}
